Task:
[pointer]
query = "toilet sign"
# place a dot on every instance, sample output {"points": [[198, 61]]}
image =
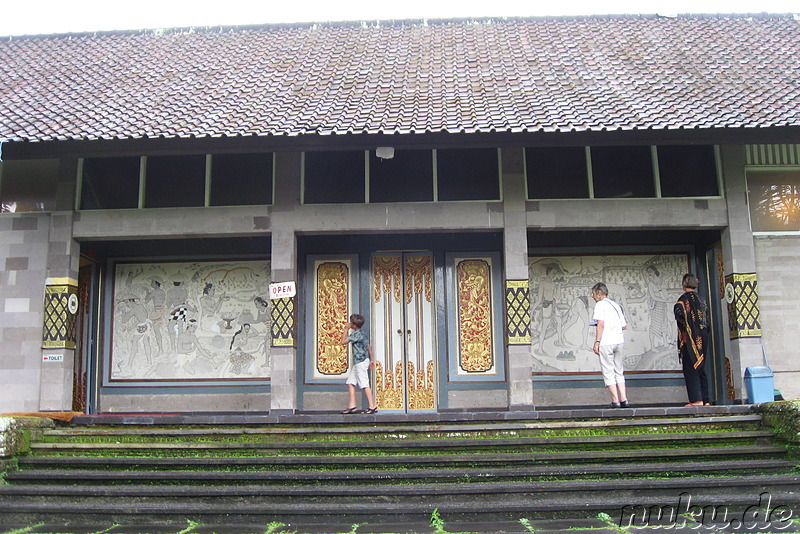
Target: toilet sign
{"points": [[282, 290]]}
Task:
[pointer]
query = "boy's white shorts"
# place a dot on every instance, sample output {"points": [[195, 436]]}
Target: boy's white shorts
{"points": [[359, 374]]}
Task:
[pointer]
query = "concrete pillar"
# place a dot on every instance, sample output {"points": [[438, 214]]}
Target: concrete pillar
{"points": [[739, 258], [515, 261], [285, 368]]}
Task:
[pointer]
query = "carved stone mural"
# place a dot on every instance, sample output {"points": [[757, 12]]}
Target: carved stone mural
{"points": [[190, 321], [645, 285]]}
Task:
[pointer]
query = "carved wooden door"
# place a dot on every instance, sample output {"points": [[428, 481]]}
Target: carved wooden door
{"points": [[404, 331]]}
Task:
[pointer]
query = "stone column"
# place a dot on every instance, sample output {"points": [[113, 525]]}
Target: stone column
{"points": [[515, 261], [285, 371], [739, 264], [60, 297], [60, 309]]}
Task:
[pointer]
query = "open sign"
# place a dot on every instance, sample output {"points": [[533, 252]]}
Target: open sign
{"points": [[282, 290]]}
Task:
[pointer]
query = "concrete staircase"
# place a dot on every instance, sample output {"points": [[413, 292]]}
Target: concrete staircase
{"points": [[470, 472]]}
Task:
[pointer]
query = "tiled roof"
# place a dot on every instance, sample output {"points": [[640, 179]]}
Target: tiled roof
{"points": [[501, 75]]}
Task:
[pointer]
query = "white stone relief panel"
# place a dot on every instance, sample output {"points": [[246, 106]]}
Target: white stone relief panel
{"points": [[190, 321], [645, 285]]}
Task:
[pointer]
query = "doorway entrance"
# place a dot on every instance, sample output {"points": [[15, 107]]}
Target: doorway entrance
{"points": [[404, 331]]}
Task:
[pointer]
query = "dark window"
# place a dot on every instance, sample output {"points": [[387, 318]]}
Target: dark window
{"points": [[622, 172], [468, 174], [175, 181], [687, 171], [29, 185], [334, 178], [557, 172], [241, 179], [774, 198], [407, 177], [110, 183]]}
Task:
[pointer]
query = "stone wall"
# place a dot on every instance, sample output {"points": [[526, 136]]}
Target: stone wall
{"points": [[121, 402], [24, 243], [777, 260]]}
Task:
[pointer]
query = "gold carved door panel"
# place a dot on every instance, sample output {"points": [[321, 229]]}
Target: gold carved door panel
{"points": [[404, 331]]}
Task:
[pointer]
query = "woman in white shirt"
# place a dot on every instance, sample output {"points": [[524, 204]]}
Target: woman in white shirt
{"points": [[608, 343]]}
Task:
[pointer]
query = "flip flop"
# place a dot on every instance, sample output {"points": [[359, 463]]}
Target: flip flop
{"points": [[371, 410], [354, 409]]}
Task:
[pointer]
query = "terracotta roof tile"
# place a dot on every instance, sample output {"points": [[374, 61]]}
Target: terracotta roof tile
{"points": [[510, 75]]}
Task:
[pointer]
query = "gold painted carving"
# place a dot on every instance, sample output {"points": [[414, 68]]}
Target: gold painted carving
{"points": [[721, 273], [389, 387], [386, 275], [332, 292], [474, 316], [418, 277], [420, 388]]}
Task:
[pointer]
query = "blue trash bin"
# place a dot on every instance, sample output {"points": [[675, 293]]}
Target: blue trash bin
{"points": [[759, 384]]}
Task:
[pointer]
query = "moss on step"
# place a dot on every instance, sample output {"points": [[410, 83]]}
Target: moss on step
{"points": [[784, 419], [241, 435]]}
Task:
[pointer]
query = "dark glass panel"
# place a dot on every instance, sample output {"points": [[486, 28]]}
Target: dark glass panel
{"points": [[468, 174], [28, 185], [557, 172], [110, 183], [334, 177], [175, 181], [407, 177], [241, 179], [622, 172], [774, 198], [688, 171]]}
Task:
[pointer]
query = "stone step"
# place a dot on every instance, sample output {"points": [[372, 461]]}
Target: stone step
{"points": [[785, 482], [305, 461], [334, 428], [616, 470], [330, 446], [324, 473], [334, 418], [360, 510]]}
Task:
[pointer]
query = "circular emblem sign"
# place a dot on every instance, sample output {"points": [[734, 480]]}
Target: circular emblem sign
{"points": [[72, 303], [729, 293]]}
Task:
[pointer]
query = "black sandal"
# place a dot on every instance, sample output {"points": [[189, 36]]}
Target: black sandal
{"points": [[371, 410], [354, 409]]}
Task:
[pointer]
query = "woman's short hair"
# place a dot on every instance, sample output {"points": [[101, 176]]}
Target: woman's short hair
{"points": [[690, 281], [601, 288]]}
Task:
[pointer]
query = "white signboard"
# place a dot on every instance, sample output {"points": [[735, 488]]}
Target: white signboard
{"points": [[72, 303], [52, 357], [282, 290]]}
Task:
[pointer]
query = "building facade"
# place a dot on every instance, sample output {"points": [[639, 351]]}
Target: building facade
{"points": [[190, 216]]}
